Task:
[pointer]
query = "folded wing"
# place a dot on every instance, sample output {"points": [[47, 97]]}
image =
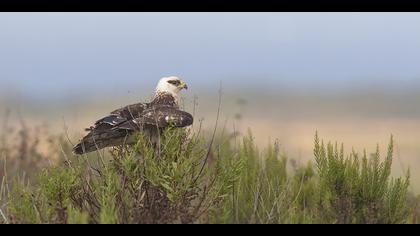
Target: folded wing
{"points": [[119, 116], [158, 116]]}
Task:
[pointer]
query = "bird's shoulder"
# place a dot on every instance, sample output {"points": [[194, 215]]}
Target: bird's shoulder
{"points": [[119, 116], [131, 111]]}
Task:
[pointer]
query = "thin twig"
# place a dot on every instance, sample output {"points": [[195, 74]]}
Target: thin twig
{"points": [[66, 129], [66, 158], [213, 136]]}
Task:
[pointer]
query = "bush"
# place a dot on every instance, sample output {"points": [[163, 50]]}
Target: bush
{"points": [[358, 189], [343, 190], [132, 185], [184, 181]]}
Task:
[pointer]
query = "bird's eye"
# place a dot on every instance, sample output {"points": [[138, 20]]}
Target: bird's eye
{"points": [[174, 82]]}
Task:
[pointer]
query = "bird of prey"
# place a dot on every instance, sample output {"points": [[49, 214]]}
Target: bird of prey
{"points": [[121, 125]]}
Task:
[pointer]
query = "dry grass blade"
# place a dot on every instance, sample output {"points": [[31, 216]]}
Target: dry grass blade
{"points": [[4, 216]]}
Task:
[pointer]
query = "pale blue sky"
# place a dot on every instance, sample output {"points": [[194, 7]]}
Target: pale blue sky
{"points": [[63, 54]]}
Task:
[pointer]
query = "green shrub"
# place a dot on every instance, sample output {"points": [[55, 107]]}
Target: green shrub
{"points": [[349, 189], [358, 189], [143, 184], [184, 181], [265, 192]]}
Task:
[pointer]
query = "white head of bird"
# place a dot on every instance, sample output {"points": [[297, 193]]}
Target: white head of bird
{"points": [[172, 85]]}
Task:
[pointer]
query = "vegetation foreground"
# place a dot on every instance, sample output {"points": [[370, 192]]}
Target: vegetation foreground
{"points": [[185, 181]]}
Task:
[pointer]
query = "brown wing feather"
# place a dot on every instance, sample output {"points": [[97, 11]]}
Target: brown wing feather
{"points": [[131, 111], [159, 116], [119, 116], [113, 129]]}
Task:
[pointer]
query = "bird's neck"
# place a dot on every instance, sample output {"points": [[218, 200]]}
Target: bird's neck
{"points": [[164, 98]]}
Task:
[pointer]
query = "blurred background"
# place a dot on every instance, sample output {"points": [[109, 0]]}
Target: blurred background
{"points": [[354, 77]]}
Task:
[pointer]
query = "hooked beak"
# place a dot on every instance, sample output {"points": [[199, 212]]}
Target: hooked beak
{"points": [[183, 86]]}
